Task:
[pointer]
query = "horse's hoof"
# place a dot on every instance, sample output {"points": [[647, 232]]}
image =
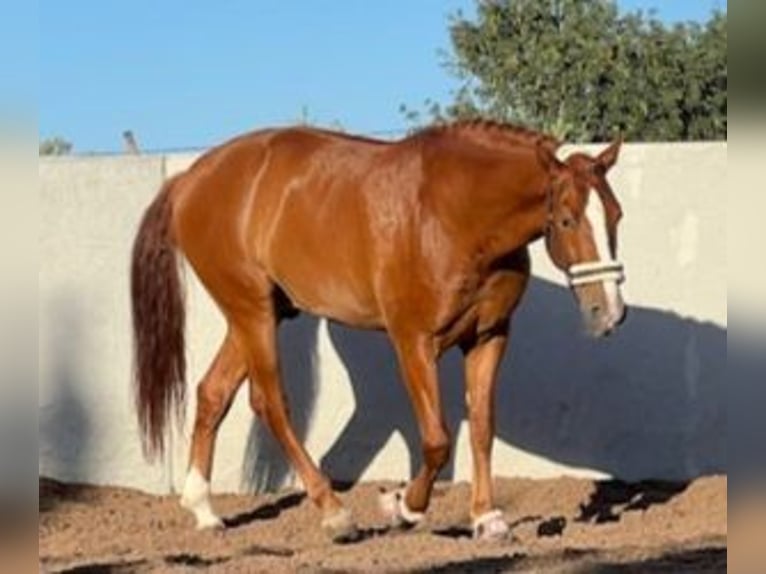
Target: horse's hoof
{"points": [[490, 526], [394, 508], [211, 522], [340, 526], [204, 516]]}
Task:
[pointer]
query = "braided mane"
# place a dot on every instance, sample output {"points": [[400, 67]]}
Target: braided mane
{"points": [[494, 133]]}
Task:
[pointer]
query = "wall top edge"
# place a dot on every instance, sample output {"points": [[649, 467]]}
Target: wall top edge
{"points": [[112, 156]]}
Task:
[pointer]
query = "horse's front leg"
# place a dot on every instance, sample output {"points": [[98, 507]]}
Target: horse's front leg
{"points": [[417, 357], [482, 359]]}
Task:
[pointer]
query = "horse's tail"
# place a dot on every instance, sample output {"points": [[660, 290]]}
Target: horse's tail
{"points": [[156, 289]]}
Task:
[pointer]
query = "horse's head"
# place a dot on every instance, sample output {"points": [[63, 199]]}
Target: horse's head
{"points": [[581, 234]]}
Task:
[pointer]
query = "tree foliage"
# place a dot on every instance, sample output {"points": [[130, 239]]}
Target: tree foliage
{"points": [[582, 70], [55, 146]]}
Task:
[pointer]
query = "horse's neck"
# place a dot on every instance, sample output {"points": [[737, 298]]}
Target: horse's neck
{"points": [[519, 228], [500, 203]]}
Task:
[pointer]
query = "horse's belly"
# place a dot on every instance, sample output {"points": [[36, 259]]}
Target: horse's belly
{"points": [[324, 275], [326, 296]]}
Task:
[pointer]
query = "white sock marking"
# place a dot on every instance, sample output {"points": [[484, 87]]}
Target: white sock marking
{"points": [[395, 507], [196, 498]]}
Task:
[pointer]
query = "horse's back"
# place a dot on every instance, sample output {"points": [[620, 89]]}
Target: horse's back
{"points": [[295, 205]]}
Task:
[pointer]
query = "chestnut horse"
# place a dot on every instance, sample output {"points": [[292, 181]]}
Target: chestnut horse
{"points": [[425, 238]]}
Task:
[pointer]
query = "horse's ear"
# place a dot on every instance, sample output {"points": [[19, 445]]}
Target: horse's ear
{"points": [[607, 158]]}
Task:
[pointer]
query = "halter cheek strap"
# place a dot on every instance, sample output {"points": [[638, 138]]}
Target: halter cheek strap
{"points": [[595, 271]]}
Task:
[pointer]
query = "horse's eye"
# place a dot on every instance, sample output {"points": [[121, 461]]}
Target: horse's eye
{"points": [[567, 222]]}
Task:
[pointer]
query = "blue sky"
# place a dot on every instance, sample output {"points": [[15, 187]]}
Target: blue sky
{"points": [[190, 74]]}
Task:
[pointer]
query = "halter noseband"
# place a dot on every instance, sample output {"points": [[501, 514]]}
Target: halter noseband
{"points": [[594, 271]]}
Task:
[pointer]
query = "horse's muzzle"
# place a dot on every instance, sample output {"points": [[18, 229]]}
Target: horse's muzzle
{"points": [[602, 322], [596, 285]]}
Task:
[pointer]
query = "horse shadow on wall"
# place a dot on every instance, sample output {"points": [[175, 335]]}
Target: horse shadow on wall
{"points": [[65, 425], [648, 402]]}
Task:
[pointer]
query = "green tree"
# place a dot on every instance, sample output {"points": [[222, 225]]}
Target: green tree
{"points": [[581, 70], [55, 146]]}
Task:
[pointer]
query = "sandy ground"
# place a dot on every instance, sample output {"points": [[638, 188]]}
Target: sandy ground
{"points": [[562, 525]]}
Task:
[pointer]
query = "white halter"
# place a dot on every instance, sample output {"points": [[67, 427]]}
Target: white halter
{"points": [[595, 271]]}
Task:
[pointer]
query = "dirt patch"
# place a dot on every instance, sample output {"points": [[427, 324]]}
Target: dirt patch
{"points": [[562, 525]]}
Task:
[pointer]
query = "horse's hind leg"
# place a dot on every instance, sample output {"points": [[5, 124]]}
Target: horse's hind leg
{"points": [[417, 357], [215, 394], [268, 401]]}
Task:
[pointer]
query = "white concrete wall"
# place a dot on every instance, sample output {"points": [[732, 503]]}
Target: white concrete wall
{"points": [[649, 402]]}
